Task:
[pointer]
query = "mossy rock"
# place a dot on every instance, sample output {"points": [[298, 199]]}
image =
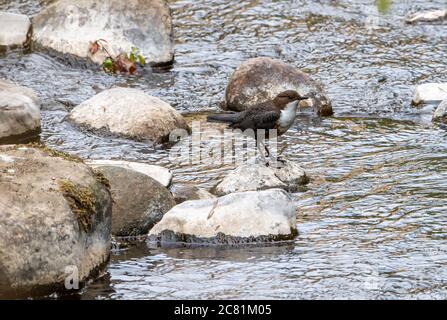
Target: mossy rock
{"points": [[55, 213]]}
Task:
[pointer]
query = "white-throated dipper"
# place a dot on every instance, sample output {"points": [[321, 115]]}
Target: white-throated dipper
{"points": [[279, 114]]}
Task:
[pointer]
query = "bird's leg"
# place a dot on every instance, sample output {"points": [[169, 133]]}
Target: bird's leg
{"points": [[267, 150], [279, 158], [259, 144]]}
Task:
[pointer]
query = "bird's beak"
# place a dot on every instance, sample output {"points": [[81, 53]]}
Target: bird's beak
{"points": [[304, 98]]}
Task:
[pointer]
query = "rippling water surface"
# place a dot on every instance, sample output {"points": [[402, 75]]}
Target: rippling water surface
{"points": [[372, 222]]}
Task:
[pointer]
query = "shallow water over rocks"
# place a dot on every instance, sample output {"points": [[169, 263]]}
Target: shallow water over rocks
{"points": [[372, 221]]}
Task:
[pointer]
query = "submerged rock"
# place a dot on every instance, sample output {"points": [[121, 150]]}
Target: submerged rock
{"points": [[428, 16], [160, 174], [253, 177], [246, 217], [139, 202], [185, 193], [261, 79], [430, 92], [69, 27], [129, 113], [15, 30], [440, 114], [55, 217], [19, 110]]}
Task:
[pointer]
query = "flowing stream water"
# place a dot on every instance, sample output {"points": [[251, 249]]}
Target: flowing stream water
{"points": [[372, 222]]}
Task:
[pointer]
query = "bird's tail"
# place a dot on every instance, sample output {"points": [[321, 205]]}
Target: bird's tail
{"points": [[226, 117]]}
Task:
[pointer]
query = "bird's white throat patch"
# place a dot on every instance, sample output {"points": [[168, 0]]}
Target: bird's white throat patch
{"points": [[288, 114]]}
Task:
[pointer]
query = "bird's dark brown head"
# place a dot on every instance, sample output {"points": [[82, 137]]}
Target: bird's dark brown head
{"points": [[285, 97]]}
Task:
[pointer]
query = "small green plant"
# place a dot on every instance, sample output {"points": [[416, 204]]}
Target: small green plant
{"points": [[107, 65], [123, 63], [136, 56], [383, 6]]}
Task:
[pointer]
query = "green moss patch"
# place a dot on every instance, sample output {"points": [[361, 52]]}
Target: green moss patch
{"points": [[55, 153], [99, 176], [81, 201]]}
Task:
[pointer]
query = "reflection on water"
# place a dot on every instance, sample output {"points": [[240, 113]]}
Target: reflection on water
{"points": [[372, 222]]}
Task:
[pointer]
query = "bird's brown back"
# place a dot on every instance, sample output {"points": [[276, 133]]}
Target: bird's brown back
{"points": [[261, 116]]}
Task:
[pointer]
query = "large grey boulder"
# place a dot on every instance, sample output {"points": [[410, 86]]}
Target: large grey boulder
{"points": [[260, 79], [160, 174], [139, 202], [427, 16], [255, 216], [430, 92], [15, 30], [129, 113], [19, 110], [55, 217], [254, 177], [69, 26], [440, 114]]}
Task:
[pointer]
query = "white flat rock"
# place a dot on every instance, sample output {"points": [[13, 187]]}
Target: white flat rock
{"points": [[427, 16], [160, 174], [430, 92], [254, 216], [255, 177], [440, 114], [14, 29]]}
